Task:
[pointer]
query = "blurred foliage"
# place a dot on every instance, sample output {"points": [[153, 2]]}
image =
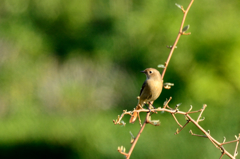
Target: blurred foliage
{"points": [[67, 68]]}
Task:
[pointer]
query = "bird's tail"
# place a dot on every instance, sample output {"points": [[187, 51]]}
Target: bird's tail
{"points": [[136, 114]]}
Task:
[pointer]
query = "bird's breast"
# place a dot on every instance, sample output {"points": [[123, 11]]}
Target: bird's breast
{"points": [[155, 89]]}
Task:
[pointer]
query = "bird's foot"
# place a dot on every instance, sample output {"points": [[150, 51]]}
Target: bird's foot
{"points": [[150, 106]]}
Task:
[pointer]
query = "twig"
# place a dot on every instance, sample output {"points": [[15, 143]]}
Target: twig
{"points": [[176, 120], [178, 131], [236, 152], [137, 137], [204, 106], [178, 36], [197, 134], [189, 119], [229, 142], [118, 120], [166, 103], [214, 141]]}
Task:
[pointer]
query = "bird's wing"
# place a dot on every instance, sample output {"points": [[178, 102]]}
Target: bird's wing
{"points": [[144, 84], [145, 92]]}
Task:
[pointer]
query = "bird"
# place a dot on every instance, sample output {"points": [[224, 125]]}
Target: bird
{"points": [[150, 91]]}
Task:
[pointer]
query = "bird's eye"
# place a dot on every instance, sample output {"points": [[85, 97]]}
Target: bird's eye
{"points": [[150, 72]]}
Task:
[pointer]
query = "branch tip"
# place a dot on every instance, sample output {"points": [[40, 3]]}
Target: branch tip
{"points": [[191, 132], [224, 139], [177, 132], [180, 7], [208, 132], [201, 119], [190, 108]]}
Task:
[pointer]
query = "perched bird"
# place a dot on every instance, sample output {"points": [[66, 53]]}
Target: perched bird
{"points": [[151, 89]]}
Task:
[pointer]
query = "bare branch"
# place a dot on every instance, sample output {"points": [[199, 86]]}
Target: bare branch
{"points": [[204, 106], [166, 108], [137, 137], [176, 120], [166, 102], [178, 131], [178, 36]]}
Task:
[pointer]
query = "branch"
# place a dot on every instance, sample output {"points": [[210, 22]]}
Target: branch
{"points": [[166, 108], [189, 119], [137, 137], [178, 36]]}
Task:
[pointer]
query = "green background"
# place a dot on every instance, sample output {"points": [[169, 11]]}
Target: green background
{"points": [[68, 68]]}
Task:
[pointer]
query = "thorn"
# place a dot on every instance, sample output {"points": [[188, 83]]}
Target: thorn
{"points": [[202, 119], [204, 106], [177, 131], [186, 33], [190, 108], [132, 140], [208, 132], [191, 132], [224, 139]]}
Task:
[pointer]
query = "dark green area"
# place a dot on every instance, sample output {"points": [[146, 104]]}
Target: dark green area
{"points": [[68, 68]]}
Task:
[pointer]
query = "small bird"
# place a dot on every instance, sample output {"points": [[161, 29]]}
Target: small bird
{"points": [[151, 89]]}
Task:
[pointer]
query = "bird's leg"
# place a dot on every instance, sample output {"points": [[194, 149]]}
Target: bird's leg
{"points": [[150, 105], [139, 107]]}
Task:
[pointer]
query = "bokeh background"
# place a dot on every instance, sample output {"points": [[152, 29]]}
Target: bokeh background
{"points": [[68, 68]]}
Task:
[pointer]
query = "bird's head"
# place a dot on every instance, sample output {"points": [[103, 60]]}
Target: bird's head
{"points": [[152, 73]]}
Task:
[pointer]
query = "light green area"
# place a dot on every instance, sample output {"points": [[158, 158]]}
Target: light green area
{"points": [[68, 68]]}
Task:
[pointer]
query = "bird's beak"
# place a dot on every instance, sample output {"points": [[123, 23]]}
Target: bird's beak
{"points": [[143, 71]]}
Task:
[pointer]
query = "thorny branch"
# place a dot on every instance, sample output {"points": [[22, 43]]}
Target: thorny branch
{"points": [[166, 108], [156, 123], [189, 119]]}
